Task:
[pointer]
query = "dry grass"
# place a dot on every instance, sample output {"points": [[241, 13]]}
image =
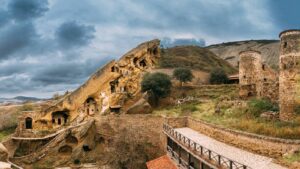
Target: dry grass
{"points": [[193, 57], [5, 133], [235, 118]]}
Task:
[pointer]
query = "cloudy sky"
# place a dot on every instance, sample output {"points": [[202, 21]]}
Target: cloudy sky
{"points": [[53, 46]]}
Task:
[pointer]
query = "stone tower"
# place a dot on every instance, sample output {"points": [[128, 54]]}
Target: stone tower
{"points": [[289, 78], [250, 66]]}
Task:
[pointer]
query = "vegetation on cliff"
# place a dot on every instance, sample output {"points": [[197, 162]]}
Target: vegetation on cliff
{"points": [[158, 85], [193, 57]]}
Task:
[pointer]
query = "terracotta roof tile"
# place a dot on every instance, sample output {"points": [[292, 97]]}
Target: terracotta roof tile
{"points": [[163, 162]]}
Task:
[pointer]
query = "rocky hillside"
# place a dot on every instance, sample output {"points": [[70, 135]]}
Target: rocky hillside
{"points": [[193, 57], [230, 51]]}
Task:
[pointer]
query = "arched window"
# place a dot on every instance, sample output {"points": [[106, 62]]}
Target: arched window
{"points": [[28, 123]]}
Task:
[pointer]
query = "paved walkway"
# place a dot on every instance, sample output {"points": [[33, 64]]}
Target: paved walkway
{"points": [[244, 157]]}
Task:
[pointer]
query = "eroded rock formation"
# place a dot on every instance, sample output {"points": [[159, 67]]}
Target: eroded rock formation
{"points": [[106, 91]]}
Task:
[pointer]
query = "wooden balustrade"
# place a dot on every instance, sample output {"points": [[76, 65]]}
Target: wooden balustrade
{"points": [[204, 153]]}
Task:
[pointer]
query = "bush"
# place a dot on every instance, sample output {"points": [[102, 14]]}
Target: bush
{"points": [[26, 107], [258, 106], [189, 107], [218, 76], [157, 84], [183, 75]]}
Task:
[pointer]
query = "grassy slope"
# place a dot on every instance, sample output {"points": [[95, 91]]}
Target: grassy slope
{"points": [[193, 57], [5, 133], [234, 117]]}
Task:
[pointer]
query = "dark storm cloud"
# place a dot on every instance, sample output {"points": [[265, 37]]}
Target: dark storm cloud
{"points": [[71, 34], [286, 13], [27, 9], [67, 72], [4, 18], [43, 45], [16, 37]]}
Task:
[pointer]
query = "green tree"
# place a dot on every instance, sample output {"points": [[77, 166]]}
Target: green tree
{"points": [[183, 75], [158, 85], [218, 76]]}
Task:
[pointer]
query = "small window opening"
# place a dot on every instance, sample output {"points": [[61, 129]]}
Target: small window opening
{"points": [[263, 67], [86, 148], [284, 44], [59, 121], [135, 61], [155, 51], [143, 63], [112, 88]]}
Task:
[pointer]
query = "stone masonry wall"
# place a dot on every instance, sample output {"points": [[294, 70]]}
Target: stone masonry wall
{"points": [[256, 78], [268, 146], [289, 79]]}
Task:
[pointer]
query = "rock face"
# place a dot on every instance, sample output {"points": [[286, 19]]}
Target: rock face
{"points": [[3, 153], [140, 107], [255, 78], [76, 142], [289, 78], [230, 51], [107, 90]]}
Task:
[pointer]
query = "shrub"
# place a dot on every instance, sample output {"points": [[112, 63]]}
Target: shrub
{"points": [[189, 108], [218, 76], [26, 107], [157, 84], [258, 106], [183, 75]]}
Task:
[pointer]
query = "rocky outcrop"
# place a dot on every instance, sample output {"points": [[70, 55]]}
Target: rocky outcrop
{"points": [[140, 107], [107, 90], [74, 143]]}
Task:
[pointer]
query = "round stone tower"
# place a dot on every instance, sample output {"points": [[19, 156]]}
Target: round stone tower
{"points": [[289, 78], [249, 73]]}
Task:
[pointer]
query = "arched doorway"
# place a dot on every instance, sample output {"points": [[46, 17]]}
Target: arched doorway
{"points": [[28, 123], [60, 117], [90, 106]]}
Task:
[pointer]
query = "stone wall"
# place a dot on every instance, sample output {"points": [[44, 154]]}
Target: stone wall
{"points": [[289, 79], [256, 78], [268, 146]]}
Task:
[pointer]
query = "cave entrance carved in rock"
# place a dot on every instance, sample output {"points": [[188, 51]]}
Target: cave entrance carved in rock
{"points": [[28, 123]]}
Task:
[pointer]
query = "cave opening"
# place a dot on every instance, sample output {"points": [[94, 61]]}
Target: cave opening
{"points": [[28, 123]]}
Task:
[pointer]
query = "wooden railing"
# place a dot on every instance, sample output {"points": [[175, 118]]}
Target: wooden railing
{"points": [[212, 157]]}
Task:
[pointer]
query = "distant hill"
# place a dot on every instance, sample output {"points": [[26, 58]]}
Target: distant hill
{"points": [[193, 57], [19, 99], [230, 51]]}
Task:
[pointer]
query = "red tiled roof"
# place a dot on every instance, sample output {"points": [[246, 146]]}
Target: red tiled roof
{"points": [[163, 162]]}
